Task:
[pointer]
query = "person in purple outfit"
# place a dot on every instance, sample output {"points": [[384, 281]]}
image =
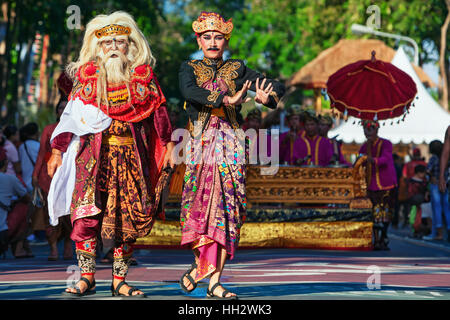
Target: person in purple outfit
{"points": [[311, 148], [288, 139], [325, 124], [381, 181]]}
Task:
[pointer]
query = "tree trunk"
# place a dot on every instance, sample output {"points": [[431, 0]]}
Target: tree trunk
{"points": [[442, 55], [5, 59]]}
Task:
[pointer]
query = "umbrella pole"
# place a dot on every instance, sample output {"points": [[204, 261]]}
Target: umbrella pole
{"points": [[317, 100], [369, 164]]}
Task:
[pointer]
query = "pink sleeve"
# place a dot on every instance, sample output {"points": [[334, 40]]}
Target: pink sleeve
{"points": [[11, 152]]}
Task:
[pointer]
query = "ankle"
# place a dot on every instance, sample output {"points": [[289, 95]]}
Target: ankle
{"points": [[89, 276], [117, 280]]}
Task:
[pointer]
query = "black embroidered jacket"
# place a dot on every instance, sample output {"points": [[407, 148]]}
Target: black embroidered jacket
{"points": [[204, 84]]}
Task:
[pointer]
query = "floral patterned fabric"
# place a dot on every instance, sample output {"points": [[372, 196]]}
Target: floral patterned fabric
{"points": [[214, 199]]}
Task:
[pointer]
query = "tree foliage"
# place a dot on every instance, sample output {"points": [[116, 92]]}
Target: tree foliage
{"points": [[276, 37]]}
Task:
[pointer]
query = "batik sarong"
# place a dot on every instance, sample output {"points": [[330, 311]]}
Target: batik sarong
{"points": [[122, 188], [213, 202], [383, 202]]}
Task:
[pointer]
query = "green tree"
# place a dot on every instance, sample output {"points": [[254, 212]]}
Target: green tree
{"points": [[279, 37]]}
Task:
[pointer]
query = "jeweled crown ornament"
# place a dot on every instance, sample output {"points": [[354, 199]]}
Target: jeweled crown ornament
{"points": [[112, 30], [211, 21]]}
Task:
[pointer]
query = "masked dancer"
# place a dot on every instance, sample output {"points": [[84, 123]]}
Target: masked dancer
{"points": [[110, 146]]}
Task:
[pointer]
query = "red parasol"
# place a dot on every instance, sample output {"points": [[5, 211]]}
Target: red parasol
{"points": [[371, 90]]}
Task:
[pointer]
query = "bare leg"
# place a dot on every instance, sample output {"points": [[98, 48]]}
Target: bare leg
{"points": [[53, 251], [193, 273], [68, 251], [215, 276]]}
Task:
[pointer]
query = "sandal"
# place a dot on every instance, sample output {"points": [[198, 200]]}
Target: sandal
{"points": [[188, 276], [210, 293], [89, 290], [115, 292]]}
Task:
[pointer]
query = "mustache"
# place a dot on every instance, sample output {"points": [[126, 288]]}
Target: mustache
{"points": [[213, 49], [115, 52]]}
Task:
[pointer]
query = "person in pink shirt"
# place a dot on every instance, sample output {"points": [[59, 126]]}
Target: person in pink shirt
{"points": [[382, 180], [11, 134]]}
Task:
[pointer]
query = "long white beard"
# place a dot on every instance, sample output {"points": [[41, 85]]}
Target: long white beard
{"points": [[112, 71], [116, 69]]}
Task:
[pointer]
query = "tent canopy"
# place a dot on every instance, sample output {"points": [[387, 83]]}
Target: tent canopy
{"points": [[425, 122]]}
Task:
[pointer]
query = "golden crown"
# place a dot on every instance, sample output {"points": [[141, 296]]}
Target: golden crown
{"points": [[112, 30], [210, 21]]}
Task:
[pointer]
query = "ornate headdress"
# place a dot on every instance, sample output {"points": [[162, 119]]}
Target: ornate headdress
{"points": [[310, 114], [117, 23], [370, 123], [112, 30], [211, 21]]}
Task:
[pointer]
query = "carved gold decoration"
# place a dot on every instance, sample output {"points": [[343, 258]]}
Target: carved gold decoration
{"points": [[112, 30], [302, 185], [360, 203], [308, 185], [210, 21], [320, 235]]}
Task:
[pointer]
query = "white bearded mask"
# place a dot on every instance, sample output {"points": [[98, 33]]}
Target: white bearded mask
{"points": [[115, 65]]}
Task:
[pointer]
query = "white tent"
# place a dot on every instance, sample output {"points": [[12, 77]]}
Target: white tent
{"points": [[426, 121]]}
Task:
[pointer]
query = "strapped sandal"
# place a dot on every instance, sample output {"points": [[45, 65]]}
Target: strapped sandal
{"points": [[89, 290], [115, 292], [188, 276], [210, 293]]}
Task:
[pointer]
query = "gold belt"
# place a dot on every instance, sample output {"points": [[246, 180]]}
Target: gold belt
{"points": [[218, 112], [117, 140]]}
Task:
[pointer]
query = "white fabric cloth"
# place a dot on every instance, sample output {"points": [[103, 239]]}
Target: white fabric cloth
{"points": [[79, 119], [427, 211]]}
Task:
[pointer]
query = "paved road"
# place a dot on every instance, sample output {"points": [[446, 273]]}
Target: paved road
{"points": [[412, 270]]}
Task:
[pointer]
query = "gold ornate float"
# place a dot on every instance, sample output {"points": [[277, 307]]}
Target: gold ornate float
{"points": [[309, 185], [301, 207]]}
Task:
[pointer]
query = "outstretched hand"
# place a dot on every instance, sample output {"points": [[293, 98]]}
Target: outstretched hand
{"points": [[240, 96], [263, 94]]}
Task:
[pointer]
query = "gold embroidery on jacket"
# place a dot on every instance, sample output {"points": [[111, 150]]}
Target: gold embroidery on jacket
{"points": [[228, 73], [202, 73], [213, 96]]}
